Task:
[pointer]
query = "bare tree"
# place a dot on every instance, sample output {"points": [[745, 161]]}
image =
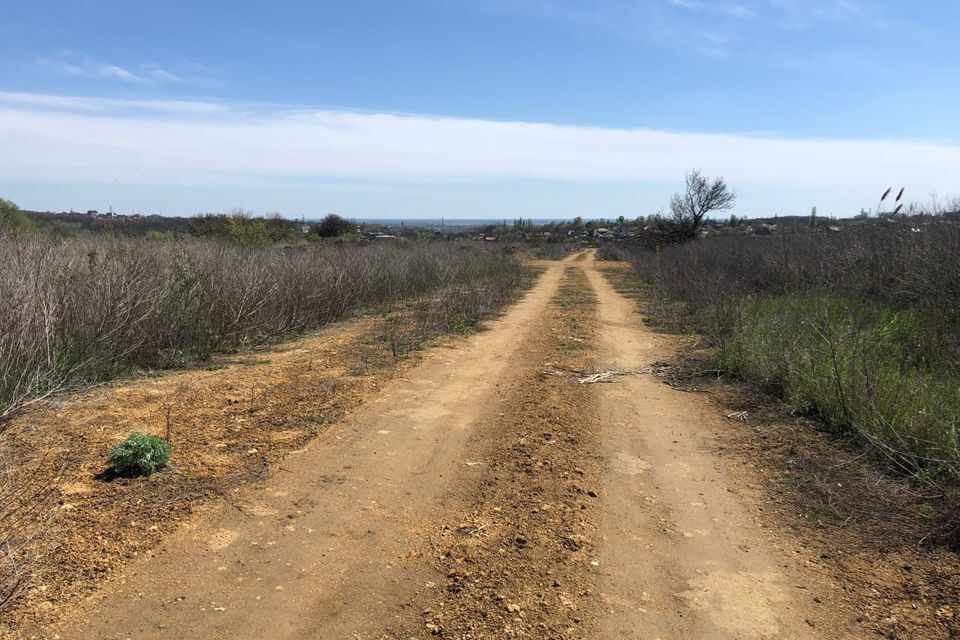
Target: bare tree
{"points": [[700, 198]]}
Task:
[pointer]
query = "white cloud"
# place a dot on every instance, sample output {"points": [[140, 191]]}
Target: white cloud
{"points": [[160, 74], [61, 139], [76, 64], [76, 103], [112, 71]]}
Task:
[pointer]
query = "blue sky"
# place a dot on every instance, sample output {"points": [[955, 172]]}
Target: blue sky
{"points": [[540, 108]]}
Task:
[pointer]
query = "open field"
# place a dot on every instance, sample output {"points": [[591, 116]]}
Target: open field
{"points": [[481, 485]]}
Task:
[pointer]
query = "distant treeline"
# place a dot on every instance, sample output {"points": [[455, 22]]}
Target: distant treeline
{"points": [[132, 225], [239, 225]]}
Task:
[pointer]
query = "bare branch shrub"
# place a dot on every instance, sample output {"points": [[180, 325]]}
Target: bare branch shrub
{"points": [[860, 327], [78, 311], [86, 309]]}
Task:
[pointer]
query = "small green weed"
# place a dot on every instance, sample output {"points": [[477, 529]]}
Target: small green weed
{"points": [[461, 325], [140, 454]]}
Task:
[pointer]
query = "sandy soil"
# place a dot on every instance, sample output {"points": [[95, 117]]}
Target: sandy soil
{"points": [[486, 493], [687, 558]]}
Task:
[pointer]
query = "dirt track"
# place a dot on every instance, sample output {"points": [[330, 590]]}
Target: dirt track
{"points": [[488, 494]]}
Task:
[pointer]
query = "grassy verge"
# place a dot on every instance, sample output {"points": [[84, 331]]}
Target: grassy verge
{"points": [[855, 329], [876, 534], [851, 363]]}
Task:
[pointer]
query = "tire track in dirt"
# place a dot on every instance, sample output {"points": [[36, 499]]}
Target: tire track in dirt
{"points": [[517, 560], [331, 545], [683, 554]]}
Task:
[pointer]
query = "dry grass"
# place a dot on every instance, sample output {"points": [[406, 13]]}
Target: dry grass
{"points": [[859, 329], [85, 310], [78, 312]]}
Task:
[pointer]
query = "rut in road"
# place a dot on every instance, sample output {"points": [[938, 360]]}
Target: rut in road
{"points": [[683, 554], [489, 495], [518, 559]]}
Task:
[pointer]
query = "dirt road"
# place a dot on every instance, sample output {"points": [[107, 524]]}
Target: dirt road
{"points": [[489, 494]]}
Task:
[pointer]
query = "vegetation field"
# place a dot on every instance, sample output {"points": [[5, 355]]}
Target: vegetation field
{"points": [[77, 311], [860, 328]]}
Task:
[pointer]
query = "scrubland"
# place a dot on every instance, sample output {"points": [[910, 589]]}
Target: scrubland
{"points": [[859, 328], [79, 311], [84, 310]]}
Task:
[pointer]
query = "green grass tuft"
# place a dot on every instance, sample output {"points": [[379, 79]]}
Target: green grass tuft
{"points": [[140, 454]]}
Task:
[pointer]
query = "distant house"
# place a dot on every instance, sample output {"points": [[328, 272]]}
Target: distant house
{"points": [[93, 212], [489, 238]]}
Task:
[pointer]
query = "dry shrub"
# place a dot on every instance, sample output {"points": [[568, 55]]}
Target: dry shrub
{"points": [[859, 327], [554, 250], [79, 311], [83, 310]]}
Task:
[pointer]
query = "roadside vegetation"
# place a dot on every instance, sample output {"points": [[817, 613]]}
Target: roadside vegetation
{"points": [[74, 312], [78, 310], [859, 327]]}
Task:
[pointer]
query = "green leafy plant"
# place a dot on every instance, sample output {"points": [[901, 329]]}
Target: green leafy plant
{"points": [[140, 454]]}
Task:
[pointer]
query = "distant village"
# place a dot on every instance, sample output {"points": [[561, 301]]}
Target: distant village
{"points": [[649, 229]]}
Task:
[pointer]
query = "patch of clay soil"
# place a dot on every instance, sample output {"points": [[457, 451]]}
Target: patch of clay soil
{"points": [[515, 559], [845, 520]]}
